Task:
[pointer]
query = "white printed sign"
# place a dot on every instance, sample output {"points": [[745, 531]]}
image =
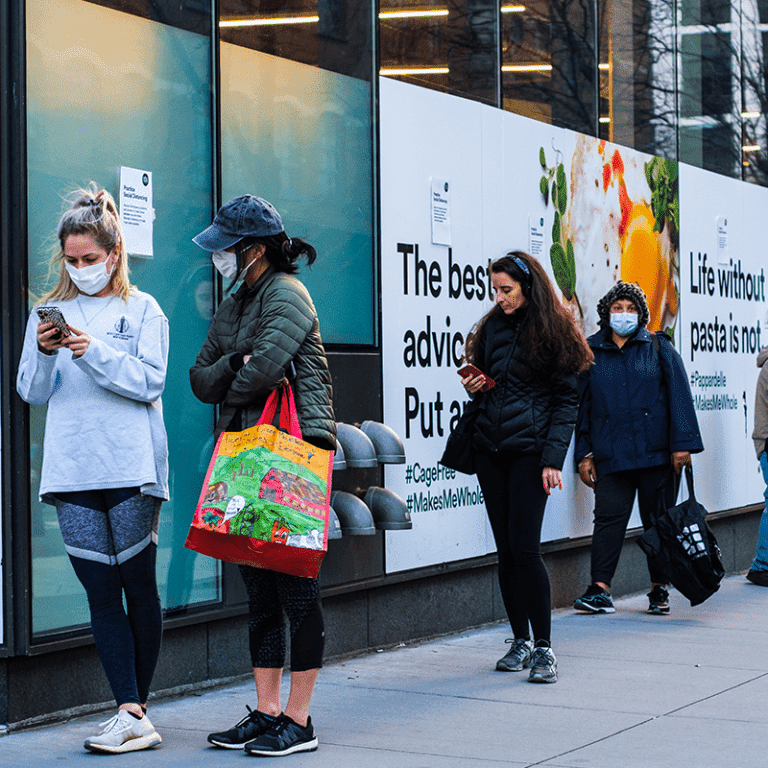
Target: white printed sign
{"points": [[440, 201], [136, 212]]}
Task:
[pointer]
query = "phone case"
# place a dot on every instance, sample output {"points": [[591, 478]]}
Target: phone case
{"points": [[53, 315], [489, 382]]}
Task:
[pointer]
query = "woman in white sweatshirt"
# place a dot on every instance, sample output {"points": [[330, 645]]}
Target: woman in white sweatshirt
{"points": [[105, 450]]}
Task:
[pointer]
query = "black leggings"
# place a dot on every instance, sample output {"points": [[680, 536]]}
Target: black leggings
{"points": [[269, 594], [614, 499], [515, 500]]}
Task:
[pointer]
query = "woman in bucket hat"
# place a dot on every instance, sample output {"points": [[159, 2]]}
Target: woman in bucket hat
{"points": [[263, 333], [636, 424]]}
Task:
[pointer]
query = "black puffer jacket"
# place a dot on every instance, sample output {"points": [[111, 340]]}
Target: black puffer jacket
{"points": [[523, 412], [275, 322]]}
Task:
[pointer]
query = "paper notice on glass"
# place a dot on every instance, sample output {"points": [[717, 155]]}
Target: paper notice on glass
{"points": [[441, 212], [137, 215], [536, 236], [722, 240]]}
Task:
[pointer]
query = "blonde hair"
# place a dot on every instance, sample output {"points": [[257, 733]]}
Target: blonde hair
{"points": [[92, 212]]}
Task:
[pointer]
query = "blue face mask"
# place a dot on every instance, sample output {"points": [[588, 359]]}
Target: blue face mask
{"points": [[624, 323]]}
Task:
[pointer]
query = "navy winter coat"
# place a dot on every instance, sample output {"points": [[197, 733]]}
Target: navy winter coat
{"points": [[635, 404], [523, 412]]}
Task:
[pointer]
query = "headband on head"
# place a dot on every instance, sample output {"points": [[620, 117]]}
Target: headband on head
{"points": [[520, 263]]}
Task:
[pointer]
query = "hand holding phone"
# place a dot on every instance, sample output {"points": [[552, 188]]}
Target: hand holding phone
{"points": [[474, 371], [54, 315], [52, 338]]}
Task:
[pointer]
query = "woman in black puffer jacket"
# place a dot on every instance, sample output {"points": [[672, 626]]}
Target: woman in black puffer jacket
{"points": [[529, 345], [266, 332]]}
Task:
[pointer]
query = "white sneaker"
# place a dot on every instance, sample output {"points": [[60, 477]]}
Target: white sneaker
{"points": [[124, 733]]}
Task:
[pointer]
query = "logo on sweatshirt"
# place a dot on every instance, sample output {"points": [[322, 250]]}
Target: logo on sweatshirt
{"points": [[121, 330]]}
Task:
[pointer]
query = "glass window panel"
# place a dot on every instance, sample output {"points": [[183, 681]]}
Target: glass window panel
{"points": [[331, 34], [549, 62], [446, 45], [710, 85], [638, 106], [754, 107], [712, 147], [192, 15], [300, 136], [106, 89], [707, 75], [705, 12]]}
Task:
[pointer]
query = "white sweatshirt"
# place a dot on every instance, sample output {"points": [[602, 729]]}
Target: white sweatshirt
{"points": [[104, 427]]}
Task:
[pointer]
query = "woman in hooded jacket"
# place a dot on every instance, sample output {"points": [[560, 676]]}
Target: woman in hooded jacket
{"points": [[530, 346], [635, 432], [265, 332]]}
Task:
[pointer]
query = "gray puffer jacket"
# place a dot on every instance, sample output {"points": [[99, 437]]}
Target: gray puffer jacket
{"points": [[275, 322]]}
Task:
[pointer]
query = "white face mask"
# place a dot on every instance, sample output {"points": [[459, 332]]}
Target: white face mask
{"points": [[91, 279], [226, 263], [624, 323]]}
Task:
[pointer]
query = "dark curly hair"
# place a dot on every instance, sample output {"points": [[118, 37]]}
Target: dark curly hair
{"points": [[624, 291], [550, 343]]}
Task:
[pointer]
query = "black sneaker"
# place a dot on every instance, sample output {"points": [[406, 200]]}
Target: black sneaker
{"points": [[284, 737], [254, 724], [658, 601], [758, 577], [595, 600], [517, 657]]}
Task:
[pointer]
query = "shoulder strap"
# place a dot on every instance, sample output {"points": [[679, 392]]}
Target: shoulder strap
{"points": [[655, 342]]}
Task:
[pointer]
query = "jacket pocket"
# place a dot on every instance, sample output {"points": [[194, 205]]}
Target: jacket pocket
{"points": [[656, 431], [602, 439]]}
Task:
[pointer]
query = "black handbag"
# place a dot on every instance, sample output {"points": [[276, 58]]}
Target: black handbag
{"points": [[459, 453], [682, 546]]}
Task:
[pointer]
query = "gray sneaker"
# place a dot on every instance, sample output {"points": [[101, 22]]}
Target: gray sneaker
{"points": [[518, 656], [543, 666]]}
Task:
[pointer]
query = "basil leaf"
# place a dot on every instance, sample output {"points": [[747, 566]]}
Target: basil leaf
{"points": [[560, 269]]}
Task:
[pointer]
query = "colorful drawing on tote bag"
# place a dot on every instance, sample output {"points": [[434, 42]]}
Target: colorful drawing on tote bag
{"points": [[293, 496], [265, 500]]}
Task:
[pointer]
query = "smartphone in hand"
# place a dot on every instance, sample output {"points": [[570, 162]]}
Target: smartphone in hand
{"points": [[472, 370], [54, 315]]}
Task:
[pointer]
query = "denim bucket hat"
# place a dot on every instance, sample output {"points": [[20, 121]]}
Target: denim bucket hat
{"points": [[244, 216]]}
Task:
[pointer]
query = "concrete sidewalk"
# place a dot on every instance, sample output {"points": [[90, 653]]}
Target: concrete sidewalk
{"points": [[688, 690]]}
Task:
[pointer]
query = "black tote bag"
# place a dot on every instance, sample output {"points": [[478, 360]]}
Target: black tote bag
{"points": [[682, 546]]}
